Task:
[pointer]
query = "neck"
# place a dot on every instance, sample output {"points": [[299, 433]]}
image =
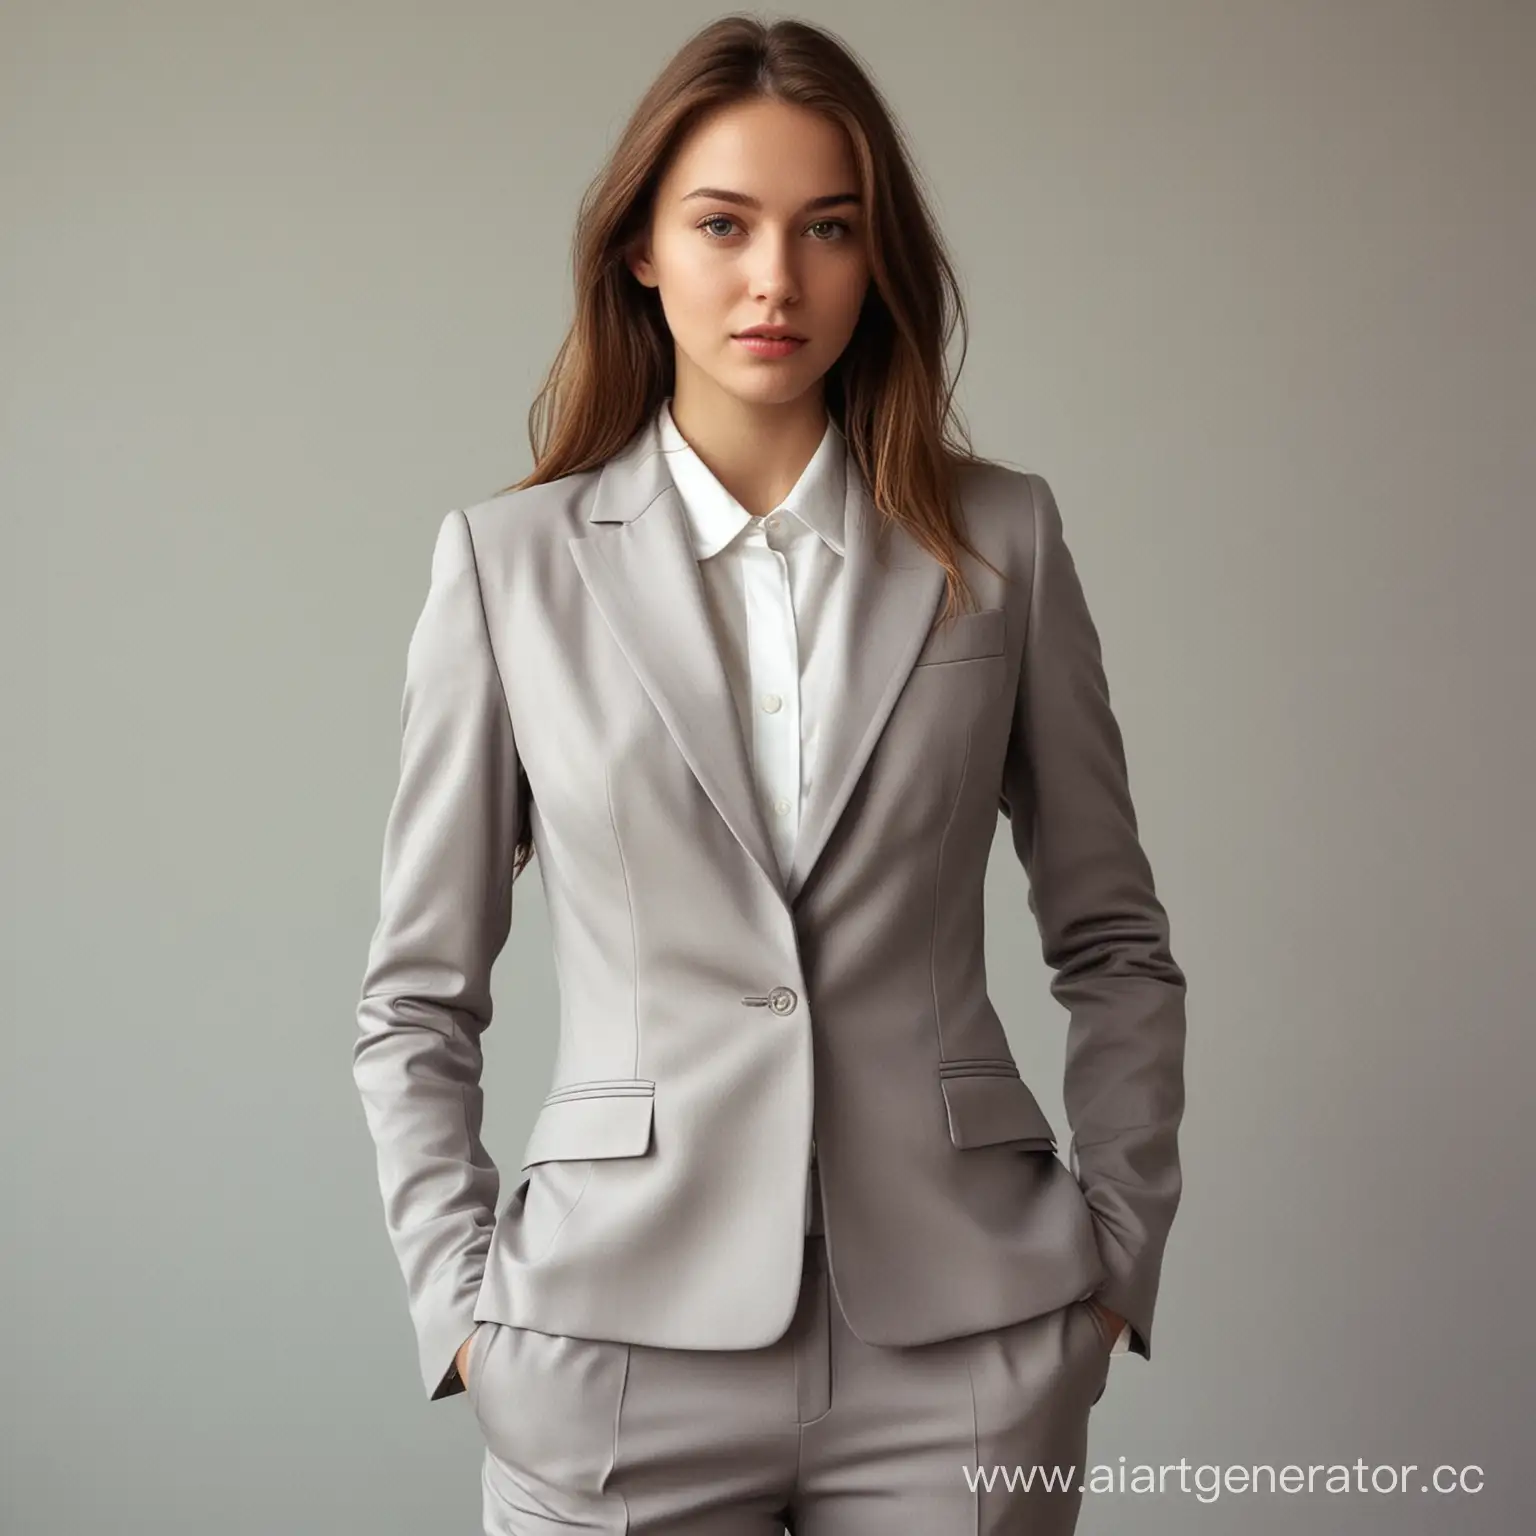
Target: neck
{"points": [[757, 452]]}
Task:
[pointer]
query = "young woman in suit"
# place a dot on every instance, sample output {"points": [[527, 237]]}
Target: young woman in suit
{"points": [[754, 659]]}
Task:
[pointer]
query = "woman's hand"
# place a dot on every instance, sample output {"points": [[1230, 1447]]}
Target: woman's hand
{"points": [[461, 1358], [1113, 1322]]}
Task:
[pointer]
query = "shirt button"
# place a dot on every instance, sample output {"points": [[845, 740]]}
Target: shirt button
{"points": [[781, 806], [782, 1000], [773, 702], [772, 522]]}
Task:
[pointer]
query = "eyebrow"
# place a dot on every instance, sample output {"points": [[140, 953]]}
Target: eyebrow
{"points": [[720, 195]]}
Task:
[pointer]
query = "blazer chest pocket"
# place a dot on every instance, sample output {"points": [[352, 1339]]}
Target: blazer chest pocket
{"points": [[608, 1117], [989, 1104], [967, 637]]}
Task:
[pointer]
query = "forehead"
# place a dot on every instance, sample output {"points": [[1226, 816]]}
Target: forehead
{"points": [[771, 150]]}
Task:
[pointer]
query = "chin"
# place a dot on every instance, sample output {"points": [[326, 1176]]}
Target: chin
{"points": [[770, 384]]}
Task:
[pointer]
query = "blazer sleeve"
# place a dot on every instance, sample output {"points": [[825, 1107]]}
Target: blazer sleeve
{"points": [[1103, 931], [445, 910]]}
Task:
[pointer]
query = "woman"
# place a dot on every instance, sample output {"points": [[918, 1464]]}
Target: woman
{"points": [[753, 659]]}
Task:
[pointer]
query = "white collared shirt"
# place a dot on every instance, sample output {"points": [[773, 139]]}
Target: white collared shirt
{"points": [[774, 590], [773, 586]]}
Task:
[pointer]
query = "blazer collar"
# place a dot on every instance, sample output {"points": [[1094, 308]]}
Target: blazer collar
{"points": [[641, 570]]}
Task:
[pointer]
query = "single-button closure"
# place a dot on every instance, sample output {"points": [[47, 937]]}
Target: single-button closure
{"points": [[777, 599]]}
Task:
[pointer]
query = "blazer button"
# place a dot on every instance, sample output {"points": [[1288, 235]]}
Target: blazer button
{"points": [[782, 1000]]}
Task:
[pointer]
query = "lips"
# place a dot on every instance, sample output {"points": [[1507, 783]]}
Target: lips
{"points": [[768, 335], [770, 348]]}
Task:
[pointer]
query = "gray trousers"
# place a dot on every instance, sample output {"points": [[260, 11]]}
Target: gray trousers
{"points": [[816, 1434]]}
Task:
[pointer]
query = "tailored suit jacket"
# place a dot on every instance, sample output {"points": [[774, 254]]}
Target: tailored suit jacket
{"points": [[713, 1014]]}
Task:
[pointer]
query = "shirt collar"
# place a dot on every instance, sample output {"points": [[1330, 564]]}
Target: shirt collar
{"points": [[715, 517]]}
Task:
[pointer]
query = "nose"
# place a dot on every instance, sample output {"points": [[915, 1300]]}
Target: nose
{"points": [[772, 277]]}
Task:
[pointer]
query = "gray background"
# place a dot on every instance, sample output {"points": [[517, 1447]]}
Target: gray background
{"points": [[1249, 283]]}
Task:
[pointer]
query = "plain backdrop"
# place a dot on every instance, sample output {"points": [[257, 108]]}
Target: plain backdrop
{"points": [[1249, 283]]}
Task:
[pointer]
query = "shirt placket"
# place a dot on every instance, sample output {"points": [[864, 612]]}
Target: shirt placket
{"points": [[773, 665]]}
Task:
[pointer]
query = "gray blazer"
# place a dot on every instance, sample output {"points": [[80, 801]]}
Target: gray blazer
{"points": [[713, 1015]]}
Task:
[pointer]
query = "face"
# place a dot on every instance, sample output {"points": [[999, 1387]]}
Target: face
{"points": [[758, 222]]}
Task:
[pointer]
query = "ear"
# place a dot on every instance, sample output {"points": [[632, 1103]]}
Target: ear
{"points": [[637, 259]]}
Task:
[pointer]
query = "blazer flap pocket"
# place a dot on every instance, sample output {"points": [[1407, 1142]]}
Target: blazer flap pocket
{"points": [[967, 635], [598, 1119], [991, 1105]]}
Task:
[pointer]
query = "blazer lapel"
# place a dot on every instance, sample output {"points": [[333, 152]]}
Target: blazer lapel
{"points": [[891, 597], [640, 570]]}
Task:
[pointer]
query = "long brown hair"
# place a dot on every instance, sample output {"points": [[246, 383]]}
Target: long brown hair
{"points": [[890, 392]]}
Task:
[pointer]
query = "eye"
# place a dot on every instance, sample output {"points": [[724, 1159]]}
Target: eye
{"points": [[841, 227]]}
